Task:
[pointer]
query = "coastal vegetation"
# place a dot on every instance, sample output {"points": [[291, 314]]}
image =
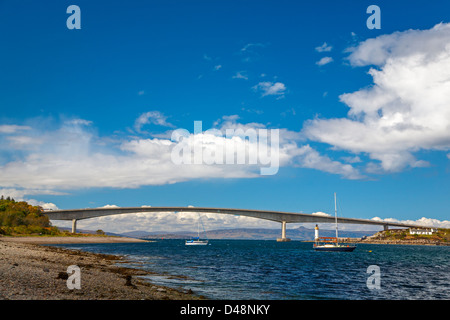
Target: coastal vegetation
{"points": [[441, 236], [21, 218]]}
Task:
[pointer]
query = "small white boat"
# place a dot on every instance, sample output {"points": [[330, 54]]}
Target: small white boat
{"points": [[195, 241]]}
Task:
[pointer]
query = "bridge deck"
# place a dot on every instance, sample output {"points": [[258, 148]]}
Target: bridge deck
{"points": [[287, 217]]}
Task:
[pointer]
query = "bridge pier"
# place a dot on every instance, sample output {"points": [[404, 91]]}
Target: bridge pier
{"points": [[283, 233], [74, 225]]}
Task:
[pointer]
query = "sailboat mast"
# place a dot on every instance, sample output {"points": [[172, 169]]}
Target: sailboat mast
{"points": [[335, 216], [198, 226]]}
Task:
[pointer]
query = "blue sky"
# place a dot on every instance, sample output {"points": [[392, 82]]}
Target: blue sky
{"points": [[71, 101]]}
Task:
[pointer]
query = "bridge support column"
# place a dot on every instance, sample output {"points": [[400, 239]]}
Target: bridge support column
{"points": [[74, 225], [283, 233], [385, 227]]}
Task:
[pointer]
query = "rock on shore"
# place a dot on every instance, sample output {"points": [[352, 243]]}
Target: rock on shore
{"points": [[34, 272]]}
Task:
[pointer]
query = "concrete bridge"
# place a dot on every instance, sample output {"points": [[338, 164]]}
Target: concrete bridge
{"points": [[282, 217]]}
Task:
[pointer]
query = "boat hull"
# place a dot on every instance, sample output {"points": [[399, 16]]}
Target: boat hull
{"points": [[196, 243], [335, 248]]}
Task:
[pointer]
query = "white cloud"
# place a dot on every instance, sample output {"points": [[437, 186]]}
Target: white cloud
{"points": [[20, 195], [324, 61], [354, 159], [21, 142], [422, 221], [79, 122], [250, 51], [250, 46], [324, 48], [407, 107], [427, 222], [217, 67], [44, 205], [240, 75], [73, 156], [321, 214], [151, 117], [110, 206], [427, 45], [6, 128], [307, 157], [270, 88]]}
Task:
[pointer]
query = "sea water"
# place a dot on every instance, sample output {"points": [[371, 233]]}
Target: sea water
{"points": [[262, 270]]}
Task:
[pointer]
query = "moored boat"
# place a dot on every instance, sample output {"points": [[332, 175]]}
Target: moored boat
{"points": [[195, 241], [331, 243], [322, 244]]}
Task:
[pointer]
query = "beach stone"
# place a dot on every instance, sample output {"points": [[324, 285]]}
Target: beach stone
{"points": [[63, 276]]}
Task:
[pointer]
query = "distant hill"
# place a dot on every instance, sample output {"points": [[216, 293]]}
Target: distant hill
{"points": [[300, 233]]}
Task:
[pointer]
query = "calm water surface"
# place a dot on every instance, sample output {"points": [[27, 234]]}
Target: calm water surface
{"points": [[251, 269]]}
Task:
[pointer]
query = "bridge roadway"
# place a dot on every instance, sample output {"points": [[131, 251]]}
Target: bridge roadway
{"points": [[282, 217]]}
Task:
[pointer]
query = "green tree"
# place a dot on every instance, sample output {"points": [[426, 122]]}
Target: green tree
{"points": [[23, 218]]}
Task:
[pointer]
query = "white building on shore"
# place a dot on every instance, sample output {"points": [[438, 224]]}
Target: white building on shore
{"points": [[428, 231]]}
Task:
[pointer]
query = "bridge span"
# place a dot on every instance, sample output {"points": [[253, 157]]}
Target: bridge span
{"points": [[277, 216]]}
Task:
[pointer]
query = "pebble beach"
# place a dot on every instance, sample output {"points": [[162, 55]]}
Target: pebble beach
{"points": [[31, 271]]}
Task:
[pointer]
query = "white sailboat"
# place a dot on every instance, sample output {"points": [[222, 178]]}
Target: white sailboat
{"points": [[195, 241], [331, 243]]}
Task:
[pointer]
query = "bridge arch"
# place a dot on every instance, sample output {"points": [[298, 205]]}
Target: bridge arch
{"points": [[283, 217]]}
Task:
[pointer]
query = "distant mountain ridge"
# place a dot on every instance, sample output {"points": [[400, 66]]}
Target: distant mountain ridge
{"points": [[300, 233]]}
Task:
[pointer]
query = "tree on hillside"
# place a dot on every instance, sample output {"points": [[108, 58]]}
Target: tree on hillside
{"points": [[21, 217]]}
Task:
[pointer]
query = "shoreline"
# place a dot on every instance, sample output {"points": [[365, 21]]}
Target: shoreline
{"points": [[406, 242], [30, 270], [397, 242], [70, 239]]}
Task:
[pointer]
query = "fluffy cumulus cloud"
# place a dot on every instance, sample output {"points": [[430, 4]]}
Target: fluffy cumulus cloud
{"points": [[151, 117], [324, 61], [79, 161], [74, 156], [240, 75], [324, 48], [407, 109], [268, 88], [307, 157]]}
